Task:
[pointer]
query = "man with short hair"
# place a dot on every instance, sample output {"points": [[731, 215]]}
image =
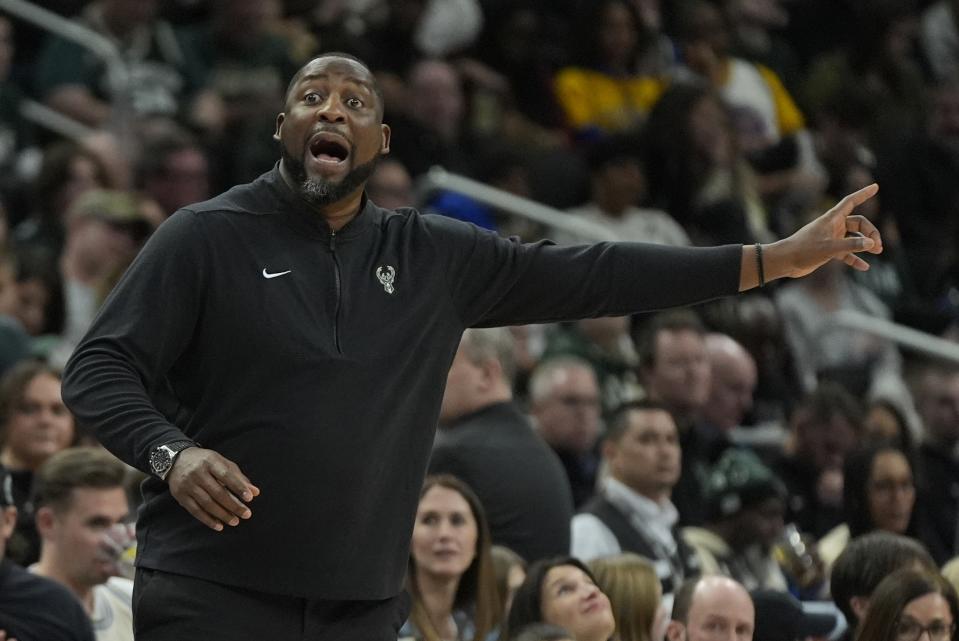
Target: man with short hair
{"points": [[302, 335], [732, 382], [865, 562], [33, 608], [676, 372], [937, 401], [711, 607], [565, 404], [486, 441], [81, 499], [632, 512]]}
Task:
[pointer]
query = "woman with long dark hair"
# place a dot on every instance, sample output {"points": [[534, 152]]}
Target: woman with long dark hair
{"points": [[451, 577], [562, 591], [879, 493]]}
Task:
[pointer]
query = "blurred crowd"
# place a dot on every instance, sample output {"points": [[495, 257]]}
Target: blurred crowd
{"points": [[768, 438]]}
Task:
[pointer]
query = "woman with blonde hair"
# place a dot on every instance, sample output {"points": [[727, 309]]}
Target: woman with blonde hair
{"points": [[451, 577], [635, 594]]}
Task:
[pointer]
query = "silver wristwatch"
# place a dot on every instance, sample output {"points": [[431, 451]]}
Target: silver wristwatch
{"points": [[162, 457]]}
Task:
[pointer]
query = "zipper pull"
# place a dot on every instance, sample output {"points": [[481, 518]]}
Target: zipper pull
{"points": [[332, 240]]}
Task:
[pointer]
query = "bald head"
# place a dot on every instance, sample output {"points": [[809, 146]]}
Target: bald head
{"points": [[733, 380], [709, 604]]}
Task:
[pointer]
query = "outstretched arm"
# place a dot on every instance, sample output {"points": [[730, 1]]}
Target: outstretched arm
{"points": [[838, 234]]}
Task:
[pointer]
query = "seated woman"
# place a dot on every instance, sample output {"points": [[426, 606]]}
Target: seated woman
{"points": [[562, 591], [909, 605], [635, 594], [451, 578], [878, 494]]}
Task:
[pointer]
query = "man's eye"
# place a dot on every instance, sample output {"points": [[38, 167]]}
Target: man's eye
{"points": [[355, 103], [311, 98]]}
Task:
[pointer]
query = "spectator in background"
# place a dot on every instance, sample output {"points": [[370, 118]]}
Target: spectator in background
{"points": [[866, 364], [606, 344], [937, 400], [432, 128], [618, 186], [709, 604], [865, 562], [33, 608], [451, 578], [825, 426], [939, 37], [163, 75], [633, 512], [733, 380], [390, 185], [563, 592], [879, 493], [745, 502], [245, 63], [880, 60], [697, 172], [635, 594], [516, 43], [36, 425], [770, 129], [604, 92], [40, 305], [105, 230], [173, 171], [909, 604], [565, 405], [674, 366], [920, 191], [81, 504], [487, 442], [67, 171]]}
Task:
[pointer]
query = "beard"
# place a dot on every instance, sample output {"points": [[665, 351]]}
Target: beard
{"points": [[318, 191]]}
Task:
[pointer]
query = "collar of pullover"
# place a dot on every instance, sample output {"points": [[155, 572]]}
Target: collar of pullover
{"points": [[299, 213]]}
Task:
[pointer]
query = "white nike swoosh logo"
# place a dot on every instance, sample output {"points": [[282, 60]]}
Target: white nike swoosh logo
{"points": [[267, 274]]}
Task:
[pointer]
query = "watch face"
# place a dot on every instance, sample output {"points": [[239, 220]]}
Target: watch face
{"points": [[160, 460]]}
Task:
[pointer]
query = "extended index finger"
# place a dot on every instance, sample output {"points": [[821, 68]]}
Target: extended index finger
{"points": [[857, 198]]}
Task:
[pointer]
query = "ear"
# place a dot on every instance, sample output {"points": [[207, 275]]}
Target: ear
{"points": [[675, 631], [385, 147], [859, 605], [492, 372], [8, 521], [608, 450], [279, 125], [46, 521]]}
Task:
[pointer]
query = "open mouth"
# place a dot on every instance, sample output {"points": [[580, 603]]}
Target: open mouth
{"points": [[329, 148]]}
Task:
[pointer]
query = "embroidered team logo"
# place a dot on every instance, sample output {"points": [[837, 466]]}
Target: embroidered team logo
{"points": [[386, 277]]}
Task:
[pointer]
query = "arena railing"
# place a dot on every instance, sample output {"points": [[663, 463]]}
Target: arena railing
{"points": [[85, 37]]}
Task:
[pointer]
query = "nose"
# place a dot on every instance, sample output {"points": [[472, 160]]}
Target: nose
{"points": [[331, 110]]}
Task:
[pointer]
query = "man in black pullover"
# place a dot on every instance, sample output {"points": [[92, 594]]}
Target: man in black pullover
{"points": [[275, 359]]}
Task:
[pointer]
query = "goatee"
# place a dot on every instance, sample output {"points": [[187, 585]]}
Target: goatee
{"points": [[318, 191]]}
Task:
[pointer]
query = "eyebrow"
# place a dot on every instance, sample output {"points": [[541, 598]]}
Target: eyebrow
{"points": [[322, 75]]}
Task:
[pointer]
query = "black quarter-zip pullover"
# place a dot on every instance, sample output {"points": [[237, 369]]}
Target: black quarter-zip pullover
{"points": [[317, 363]]}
